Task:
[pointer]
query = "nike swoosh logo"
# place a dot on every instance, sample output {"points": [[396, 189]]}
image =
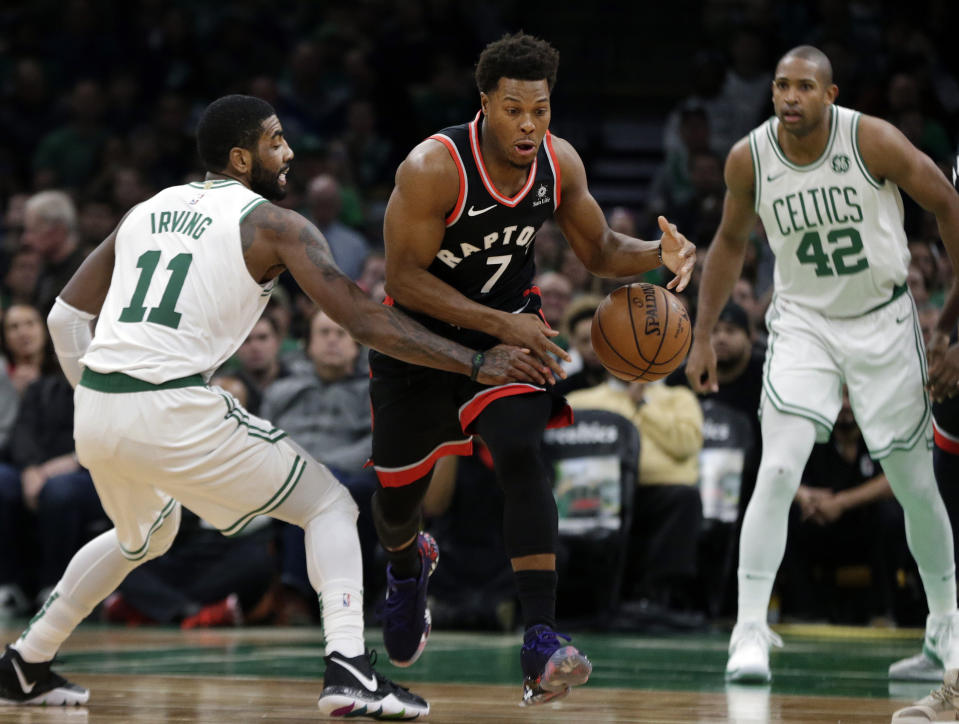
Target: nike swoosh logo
{"points": [[369, 682], [903, 319], [477, 212], [773, 178], [27, 688]]}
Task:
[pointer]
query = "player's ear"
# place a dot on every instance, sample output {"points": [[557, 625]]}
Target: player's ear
{"points": [[241, 159], [484, 103], [832, 92]]}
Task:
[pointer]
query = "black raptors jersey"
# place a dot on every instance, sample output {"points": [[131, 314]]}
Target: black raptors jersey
{"points": [[487, 251]]}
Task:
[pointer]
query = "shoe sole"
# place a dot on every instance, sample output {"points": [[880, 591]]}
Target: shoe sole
{"points": [[343, 705], [566, 668], [749, 676], [429, 620], [57, 697]]}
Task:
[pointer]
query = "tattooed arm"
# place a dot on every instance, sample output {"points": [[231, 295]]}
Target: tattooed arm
{"points": [[274, 238]]}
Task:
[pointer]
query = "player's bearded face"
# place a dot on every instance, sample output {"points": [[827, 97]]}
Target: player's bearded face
{"points": [[266, 182]]}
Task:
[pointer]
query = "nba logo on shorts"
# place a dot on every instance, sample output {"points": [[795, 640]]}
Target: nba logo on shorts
{"points": [[346, 600]]}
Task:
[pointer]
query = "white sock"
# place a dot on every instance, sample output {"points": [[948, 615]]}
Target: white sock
{"points": [[928, 531], [787, 442], [335, 567], [93, 573]]}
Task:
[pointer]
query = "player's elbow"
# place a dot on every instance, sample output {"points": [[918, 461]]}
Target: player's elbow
{"points": [[400, 288]]}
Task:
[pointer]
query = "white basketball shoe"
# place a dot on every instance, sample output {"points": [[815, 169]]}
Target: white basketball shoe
{"points": [[940, 651], [749, 652]]}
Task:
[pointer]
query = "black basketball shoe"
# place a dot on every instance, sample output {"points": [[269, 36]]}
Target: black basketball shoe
{"points": [[35, 684], [351, 688]]}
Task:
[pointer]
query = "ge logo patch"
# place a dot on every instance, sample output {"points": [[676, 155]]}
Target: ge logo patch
{"points": [[840, 163]]}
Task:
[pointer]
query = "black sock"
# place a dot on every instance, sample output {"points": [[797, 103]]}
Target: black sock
{"points": [[537, 597], [406, 561]]}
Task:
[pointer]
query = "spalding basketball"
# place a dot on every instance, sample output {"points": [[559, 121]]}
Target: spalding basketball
{"points": [[641, 332]]}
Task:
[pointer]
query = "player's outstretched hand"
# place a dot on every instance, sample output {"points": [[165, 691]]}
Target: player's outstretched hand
{"points": [[943, 367], [506, 363], [530, 332], [701, 367], [679, 254]]}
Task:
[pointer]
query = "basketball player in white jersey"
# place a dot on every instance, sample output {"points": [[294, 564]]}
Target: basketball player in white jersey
{"points": [[825, 182], [176, 288]]}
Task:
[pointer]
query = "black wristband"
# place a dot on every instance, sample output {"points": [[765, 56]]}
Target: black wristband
{"points": [[659, 254], [478, 360]]}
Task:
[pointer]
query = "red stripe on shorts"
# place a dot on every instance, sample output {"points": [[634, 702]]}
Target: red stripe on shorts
{"points": [[398, 477], [944, 441], [472, 408]]}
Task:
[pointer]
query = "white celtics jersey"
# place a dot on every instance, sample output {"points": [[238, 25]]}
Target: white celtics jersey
{"points": [[835, 230], [181, 300]]}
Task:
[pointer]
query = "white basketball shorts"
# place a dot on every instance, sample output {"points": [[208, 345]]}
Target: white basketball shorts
{"points": [[148, 451], [879, 355]]}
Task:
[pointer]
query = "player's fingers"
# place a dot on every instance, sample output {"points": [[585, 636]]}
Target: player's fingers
{"points": [[696, 377], [529, 371], [553, 364], [669, 230], [558, 351], [678, 282], [711, 384]]}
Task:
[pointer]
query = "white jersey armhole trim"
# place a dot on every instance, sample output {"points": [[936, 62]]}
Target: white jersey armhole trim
{"points": [[873, 181], [757, 170]]}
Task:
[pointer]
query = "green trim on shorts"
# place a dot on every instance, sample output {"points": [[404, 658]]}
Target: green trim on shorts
{"points": [[242, 417], [774, 399], [144, 549], [296, 472], [897, 292], [120, 383], [907, 443], [913, 438]]}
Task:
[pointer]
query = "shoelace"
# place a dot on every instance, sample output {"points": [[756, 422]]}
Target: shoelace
{"points": [[766, 636], [396, 613], [546, 641], [945, 694], [371, 657]]}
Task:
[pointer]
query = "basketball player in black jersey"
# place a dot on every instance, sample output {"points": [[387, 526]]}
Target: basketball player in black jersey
{"points": [[459, 234]]}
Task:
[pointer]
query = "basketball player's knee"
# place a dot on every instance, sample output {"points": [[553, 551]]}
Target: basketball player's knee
{"points": [[781, 471], [342, 502], [516, 454], [163, 537]]}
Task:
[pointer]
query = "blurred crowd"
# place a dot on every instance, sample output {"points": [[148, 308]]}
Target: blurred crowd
{"points": [[97, 114]]}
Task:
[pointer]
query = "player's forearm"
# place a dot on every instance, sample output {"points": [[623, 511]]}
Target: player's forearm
{"points": [[391, 332], [624, 256], [949, 231], [723, 265], [420, 291]]}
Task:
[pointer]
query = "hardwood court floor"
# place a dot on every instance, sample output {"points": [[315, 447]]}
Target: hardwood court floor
{"points": [[825, 674]]}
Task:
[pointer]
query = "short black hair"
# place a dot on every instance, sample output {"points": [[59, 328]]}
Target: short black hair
{"points": [[228, 122], [519, 56], [816, 57]]}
